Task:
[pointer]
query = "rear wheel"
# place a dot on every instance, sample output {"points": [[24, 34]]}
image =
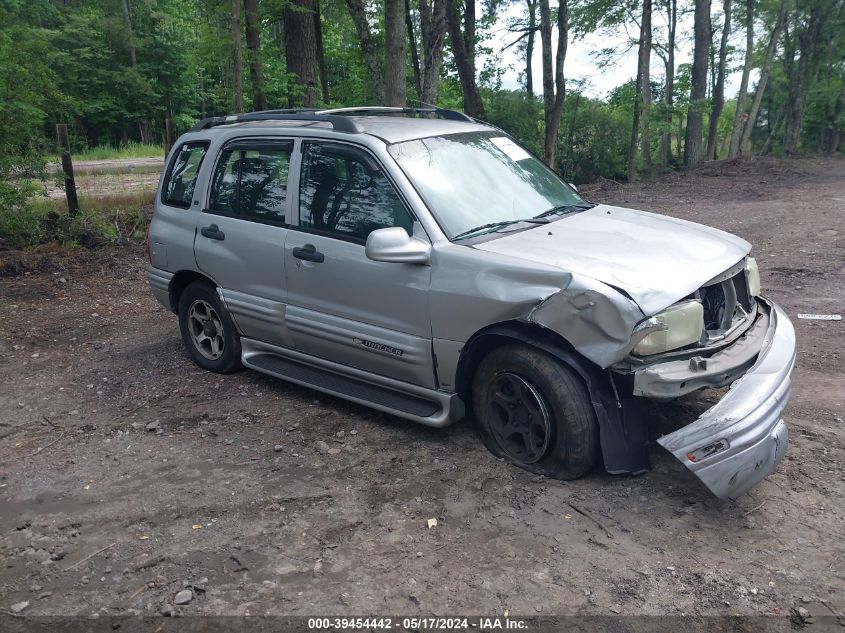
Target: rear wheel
{"points": [[535, 412], [207, 329]]}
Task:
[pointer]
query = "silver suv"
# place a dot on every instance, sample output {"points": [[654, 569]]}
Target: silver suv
{"points": [[425, 264]]}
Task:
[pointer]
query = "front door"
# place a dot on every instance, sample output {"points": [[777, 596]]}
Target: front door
{"points": [[343, 306], [241, 234]]}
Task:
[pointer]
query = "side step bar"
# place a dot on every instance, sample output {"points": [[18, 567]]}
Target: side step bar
{"points": [[426, 406]]}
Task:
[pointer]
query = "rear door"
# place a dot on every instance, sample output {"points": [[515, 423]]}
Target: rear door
{"points": [[343, 306], [241, 234]]}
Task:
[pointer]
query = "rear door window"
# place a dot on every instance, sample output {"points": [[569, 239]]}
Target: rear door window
{"points": [[181, 179], [250, 182]]}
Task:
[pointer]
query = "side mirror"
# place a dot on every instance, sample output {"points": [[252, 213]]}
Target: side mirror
{"points": [[573, 187], [395, 245]]}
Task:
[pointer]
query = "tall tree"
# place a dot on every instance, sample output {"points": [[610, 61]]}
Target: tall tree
{"points": [[462, 39], [433, 31], [415, 53], [301, 52], [127, 18], [693, 150], [666, 52], [642, 100], [321, 52], [719, 87], [554, 86], [237, 57], [810, 36], [760, 90], [369, 50], [395, 64], [529, 47], [833, 129], [253, 45], [742, 95]]}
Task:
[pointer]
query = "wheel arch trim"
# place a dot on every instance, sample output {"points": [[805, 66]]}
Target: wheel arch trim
{"points": [[180, 280]]}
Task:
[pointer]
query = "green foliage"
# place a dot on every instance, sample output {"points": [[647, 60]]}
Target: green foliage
{"points": [[115, 82], [102, 219]]}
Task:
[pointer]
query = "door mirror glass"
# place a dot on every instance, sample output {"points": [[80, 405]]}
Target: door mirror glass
{"points": [[394, 245]]}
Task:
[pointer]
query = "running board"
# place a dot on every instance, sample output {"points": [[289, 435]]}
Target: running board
{"points": [[426, 406]]}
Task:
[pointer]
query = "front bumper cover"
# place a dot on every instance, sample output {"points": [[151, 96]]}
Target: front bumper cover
{"points": [[740, 440]]}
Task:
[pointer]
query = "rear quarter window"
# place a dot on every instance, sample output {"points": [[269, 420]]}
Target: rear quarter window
{"points": [[178, 190]]}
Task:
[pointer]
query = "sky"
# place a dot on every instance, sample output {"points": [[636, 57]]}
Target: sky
{"points": [[599, 82]]}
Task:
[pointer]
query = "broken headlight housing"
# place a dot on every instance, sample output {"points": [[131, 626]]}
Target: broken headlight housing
{"points": [[752, 276], [677, 326]]}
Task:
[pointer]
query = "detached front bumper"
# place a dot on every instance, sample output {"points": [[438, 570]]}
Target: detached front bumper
{"points": [[740, 440]]}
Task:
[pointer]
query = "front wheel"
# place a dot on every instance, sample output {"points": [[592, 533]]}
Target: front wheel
{"points": [[535, 412], [207, 329]]}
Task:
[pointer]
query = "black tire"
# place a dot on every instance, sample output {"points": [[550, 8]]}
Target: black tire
{"points": [[505, 386], [223, 355]]}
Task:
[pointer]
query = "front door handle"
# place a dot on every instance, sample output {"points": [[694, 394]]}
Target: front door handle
{"points": [[309, 253], [213, 232]]}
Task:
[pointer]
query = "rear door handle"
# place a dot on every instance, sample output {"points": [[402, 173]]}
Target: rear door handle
{"points": [[213, 232], [309, 253]]}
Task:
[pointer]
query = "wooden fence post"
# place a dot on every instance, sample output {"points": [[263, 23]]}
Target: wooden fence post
{"points": [[67, 168]]}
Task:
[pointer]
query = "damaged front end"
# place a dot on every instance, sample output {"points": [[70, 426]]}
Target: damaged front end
{"points": [[748, 343]]}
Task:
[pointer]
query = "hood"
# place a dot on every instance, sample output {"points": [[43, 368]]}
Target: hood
{"points": [[656, 259]]}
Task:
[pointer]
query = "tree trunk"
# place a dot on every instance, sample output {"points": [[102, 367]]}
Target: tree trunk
{"points": [[301, 53], [799, 83], [698, 89], [237, 57], [834, 123], [395, 65], [669, 85], [253, 45], [529, 48], [554, 86], [433, 27], [127, 18], [415, 54], [719, 89], [321, 53], [462, 41], [771, 49], [369, 50], [642, 99], [742, 95]]}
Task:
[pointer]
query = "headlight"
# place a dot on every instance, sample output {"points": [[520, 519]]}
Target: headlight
{"points": [[677, 326], [752, 276]]}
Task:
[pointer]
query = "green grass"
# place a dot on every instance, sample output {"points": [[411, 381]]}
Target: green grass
{"points": [[101, 220], [130, 150]]}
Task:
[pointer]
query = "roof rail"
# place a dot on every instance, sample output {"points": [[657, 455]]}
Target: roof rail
{"points": [[339, 123], [443, 113]]}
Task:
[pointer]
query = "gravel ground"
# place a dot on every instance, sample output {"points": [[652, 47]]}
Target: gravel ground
{"points": [[131, 481]]}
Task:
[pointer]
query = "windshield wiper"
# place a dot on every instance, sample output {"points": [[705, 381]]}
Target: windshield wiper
{"points": [[497, 225], [566, 208]]}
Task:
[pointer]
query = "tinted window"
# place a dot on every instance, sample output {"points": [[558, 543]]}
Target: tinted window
{"points": [[224, 190], [339, 194], [264, 180], [251, 183], [179, 190]]}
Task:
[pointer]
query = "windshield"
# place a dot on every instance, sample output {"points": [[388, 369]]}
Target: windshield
{"points": [[480, 179]]}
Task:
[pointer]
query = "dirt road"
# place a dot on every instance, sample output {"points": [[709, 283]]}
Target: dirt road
{"points": [[127, 474]]}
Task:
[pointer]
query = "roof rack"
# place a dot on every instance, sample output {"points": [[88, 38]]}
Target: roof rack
{"points": [[337, 116], [443, 113], [339, 123]]}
